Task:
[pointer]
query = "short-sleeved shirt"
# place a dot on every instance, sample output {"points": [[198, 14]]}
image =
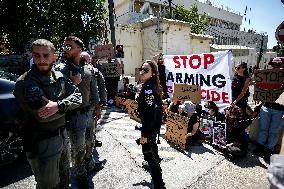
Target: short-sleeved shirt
{"points": [[238, 83]]}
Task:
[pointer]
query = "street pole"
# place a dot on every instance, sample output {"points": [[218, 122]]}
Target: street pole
{"points": [[111, 22], [159, 32], [260, 51], [170, 5]]}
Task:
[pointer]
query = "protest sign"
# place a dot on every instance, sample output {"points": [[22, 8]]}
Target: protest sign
{"points": [[176, 129], [187, 92], [269, 84], [111, 69], [120, 102], [219, 133], [104, 51], [132, 107], [211, 71], [280, 99], [206, 125]]}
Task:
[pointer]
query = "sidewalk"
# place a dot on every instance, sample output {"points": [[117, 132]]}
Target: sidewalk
{"points": [[203, 167]]}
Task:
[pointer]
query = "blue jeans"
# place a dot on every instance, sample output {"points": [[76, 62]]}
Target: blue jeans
{"points": [[270, 125]]}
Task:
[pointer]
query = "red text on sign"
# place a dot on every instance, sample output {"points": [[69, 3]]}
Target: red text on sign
{"points": [[187, 61]]}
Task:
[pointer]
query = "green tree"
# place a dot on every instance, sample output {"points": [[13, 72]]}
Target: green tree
{"points": [[22, 20], [198, 21], [279, 49]]}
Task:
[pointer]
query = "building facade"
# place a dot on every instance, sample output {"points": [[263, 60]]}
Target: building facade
{"points": [[224, 23], [140, 27], [148, 37]]}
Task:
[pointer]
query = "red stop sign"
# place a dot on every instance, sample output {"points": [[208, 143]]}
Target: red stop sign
{"points": [[279, 34]]}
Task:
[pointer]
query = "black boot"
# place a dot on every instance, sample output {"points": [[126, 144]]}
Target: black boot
{"points": [[98, 143]]}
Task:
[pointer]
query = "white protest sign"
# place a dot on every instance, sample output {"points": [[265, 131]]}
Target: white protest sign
{"points": [[211, 71]]}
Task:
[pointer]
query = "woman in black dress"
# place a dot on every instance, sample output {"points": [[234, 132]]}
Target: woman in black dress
{"points": [[150, 112], [240, 85]]}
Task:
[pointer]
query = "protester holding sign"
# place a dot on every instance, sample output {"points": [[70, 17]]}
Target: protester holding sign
{"points": [[150, 112], [192, 135], [240, 84], [111, 77], [271, 113]]}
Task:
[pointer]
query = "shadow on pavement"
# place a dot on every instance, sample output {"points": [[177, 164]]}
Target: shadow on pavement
{"points": [[15, 172], [143, 183]]}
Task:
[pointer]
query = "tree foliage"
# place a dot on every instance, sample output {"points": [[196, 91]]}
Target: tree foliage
{"points": [[279, 49], [198, 21], [22, 20]]}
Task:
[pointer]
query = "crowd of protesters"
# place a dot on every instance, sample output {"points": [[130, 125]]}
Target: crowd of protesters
{"points": [[152, 98], [235, 116]]}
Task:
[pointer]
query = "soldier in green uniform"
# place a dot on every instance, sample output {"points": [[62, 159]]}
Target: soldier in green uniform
{"points": [[81, 120], [44, 96]]}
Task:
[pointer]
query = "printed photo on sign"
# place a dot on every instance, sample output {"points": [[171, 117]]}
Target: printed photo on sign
{"points": [[206, 126], [219, 134]]}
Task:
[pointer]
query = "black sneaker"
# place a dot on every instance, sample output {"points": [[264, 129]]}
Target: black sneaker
{"points": [[98, 166], [145, 166], [137, 128], [258, 151], [98, 143]]}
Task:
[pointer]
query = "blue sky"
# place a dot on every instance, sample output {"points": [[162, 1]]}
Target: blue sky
{"points": [[265, 15]]}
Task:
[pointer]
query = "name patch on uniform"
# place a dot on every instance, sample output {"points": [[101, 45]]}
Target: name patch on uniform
{"points": [[148, 91], [32, 91]]}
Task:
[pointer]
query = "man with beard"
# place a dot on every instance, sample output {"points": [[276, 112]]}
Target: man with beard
{"points": [[44, 96], [81, 120]]}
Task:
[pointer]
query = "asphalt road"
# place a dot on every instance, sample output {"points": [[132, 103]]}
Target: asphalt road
{"points": [[202, 167]]}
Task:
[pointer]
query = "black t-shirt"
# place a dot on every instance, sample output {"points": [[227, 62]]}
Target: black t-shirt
{"points": [[238, 85], [174, 107], [193, 119], [219, 116]]}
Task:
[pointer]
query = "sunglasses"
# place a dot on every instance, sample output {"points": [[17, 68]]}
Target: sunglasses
{"points": [[68, 47], [145, 70], [238, 67]]}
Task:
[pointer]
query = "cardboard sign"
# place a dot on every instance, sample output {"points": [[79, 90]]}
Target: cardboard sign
{"points": [[219, 134], [187, 92], [132, 107], [280, 100], [269, 85], [176, 129], [104, 51], [120, 102], [112, 69]]}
